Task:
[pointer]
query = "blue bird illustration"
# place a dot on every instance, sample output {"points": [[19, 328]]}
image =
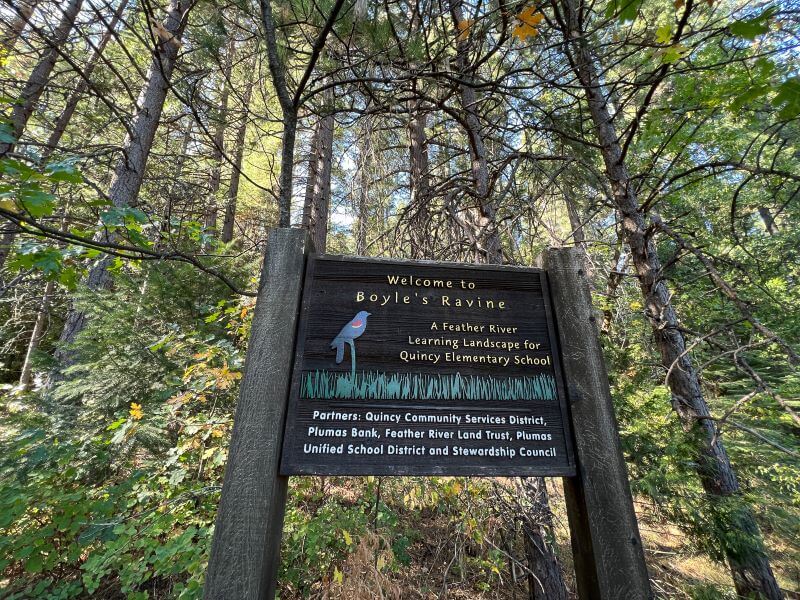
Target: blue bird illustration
{"points": [[350, 332]]}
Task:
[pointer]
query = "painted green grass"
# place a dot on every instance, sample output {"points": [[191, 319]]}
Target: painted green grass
{"points": [[374, 385]]}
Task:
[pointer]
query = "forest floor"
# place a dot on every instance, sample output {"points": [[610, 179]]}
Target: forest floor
{"points": [[443, 565]]}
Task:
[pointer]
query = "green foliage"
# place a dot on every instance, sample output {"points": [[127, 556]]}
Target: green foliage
{"points": [[115, 491]]}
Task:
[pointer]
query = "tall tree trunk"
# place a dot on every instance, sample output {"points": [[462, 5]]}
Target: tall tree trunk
{"points": [[419, 204], [289, 111], [219, 137], [484, 218], [7, 237], [82, 85], [363, 187], [769, 220], [318, 185], [750, 568], [541, 558], [39, 77], [26, 377], [176, 188], [25, 104], [9, 38], [236, 174], [575, 221], [129, 172], [545, 580]]}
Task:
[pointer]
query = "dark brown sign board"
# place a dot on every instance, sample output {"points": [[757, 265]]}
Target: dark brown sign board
{"points": [[425, 369]]}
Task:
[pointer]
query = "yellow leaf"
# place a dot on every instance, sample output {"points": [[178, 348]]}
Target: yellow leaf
{"points": [[381, 562], [464, 28], [529, 16], [523, 32], [8, 205], [136, 411], [664, 34], [528, 19], [243, 313], [338, 576], [217, 433], [347, 538]]}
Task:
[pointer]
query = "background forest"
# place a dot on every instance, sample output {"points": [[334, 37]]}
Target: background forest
{"points": [[147, 149]]}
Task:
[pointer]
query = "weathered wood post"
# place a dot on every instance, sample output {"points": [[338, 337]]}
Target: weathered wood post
{"points": [[607, 548], [247, 535]]}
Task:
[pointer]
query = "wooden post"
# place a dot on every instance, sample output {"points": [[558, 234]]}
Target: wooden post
{"points": [[607, 548], [247, 536]]}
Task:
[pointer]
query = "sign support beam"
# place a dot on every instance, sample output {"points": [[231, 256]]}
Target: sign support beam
{"points": [[607, 547], [247, 536]]}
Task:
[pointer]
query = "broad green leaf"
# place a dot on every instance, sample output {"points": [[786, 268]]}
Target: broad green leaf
{"points": [[17, 169], [674, 53], [789, 98], [63, 171], [117, 216], [116, 424], [69, 278], [751, 94], [749, 29], [7, 134], [34, 564], [664, 34], [626, 10], [36, 201]]}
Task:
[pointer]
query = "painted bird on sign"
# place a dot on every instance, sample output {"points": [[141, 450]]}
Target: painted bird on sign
{"points": [[350, 332]]}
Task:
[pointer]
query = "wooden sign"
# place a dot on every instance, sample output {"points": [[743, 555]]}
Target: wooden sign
{"points": [[412, 368], [423, 368]]}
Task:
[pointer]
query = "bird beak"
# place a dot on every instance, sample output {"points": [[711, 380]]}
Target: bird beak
{"points": [[369, 314]]}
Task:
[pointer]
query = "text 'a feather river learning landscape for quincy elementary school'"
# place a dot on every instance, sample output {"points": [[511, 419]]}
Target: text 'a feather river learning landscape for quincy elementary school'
{"points": [[443, 370]]}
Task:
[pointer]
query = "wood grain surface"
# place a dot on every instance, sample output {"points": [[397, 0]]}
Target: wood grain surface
{"points": [[247, 534], [607, 548]]}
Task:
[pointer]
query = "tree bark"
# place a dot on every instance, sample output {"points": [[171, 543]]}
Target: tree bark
{"points": [[82, 85], [129, 172], [39, 77], [318, 185], [575, 220], [289, 111], [218, 150], [24, 11], [290, 104], [545, 579], [7, 237], [364, 184], [484, 218], [236, 174], [25, 104], [418, 209], [26, 376], [769, 220], [750, 568]]}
